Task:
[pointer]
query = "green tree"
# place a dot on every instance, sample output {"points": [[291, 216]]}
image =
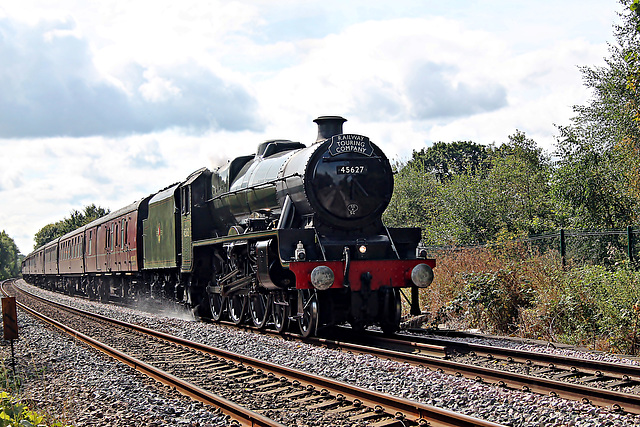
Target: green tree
{"points": [[9, 265], [76, 219], [462, 193], [598, 179], [412, 204], [468, 211], [48, 233], [519, 179], [445, 160]]}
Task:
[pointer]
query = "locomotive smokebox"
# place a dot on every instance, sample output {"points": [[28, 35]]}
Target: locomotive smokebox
{"points": [[329, 126]]}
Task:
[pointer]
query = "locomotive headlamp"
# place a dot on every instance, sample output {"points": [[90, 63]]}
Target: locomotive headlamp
{"points": [[422, 275], [362, 249], [322, 277], [421, 252], [301, 254]]}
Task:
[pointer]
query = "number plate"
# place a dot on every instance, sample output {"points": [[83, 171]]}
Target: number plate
{"points": [[352, 170]]}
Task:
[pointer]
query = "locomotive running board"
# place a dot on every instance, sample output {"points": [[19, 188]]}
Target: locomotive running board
{"points": [[235, 238]]}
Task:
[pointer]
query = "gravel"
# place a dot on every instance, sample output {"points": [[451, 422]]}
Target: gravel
{"points": [[75, 385], [82, 385]]}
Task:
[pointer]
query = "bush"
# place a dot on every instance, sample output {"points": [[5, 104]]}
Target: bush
{"points": [[509, 290], [592, 306]]}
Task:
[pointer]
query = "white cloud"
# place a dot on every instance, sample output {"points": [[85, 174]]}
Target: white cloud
{"points": [[180, 85], [50, 87], [156, 88]]}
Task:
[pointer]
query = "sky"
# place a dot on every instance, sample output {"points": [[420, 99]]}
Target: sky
{"points": [[106, 102]]}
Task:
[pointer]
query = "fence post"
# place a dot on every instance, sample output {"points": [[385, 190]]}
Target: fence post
{"points": [[630, 244], [563, 248]]}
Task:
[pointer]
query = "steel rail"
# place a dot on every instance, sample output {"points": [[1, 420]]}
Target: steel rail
{"points": [[577, 392], [243, 415], [401, 408], [597, 396], [593, 367]]}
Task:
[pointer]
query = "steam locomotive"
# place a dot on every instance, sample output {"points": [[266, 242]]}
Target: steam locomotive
{"points": [[289, 234]]}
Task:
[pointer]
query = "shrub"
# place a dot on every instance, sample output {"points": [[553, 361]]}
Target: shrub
{"points": [[518, 292]]}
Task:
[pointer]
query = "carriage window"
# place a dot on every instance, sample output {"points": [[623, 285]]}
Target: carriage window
{"points": [[90, 242], [122, 237]]}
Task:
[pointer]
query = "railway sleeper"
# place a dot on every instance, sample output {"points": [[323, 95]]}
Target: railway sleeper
{"points": [[274, 391], [327, 404], [241, 375], [390, 422], [625, 382], [297, 394], [271, 384], [259, 381], [311, 398], [564, 375], [369, 415], [347, 408], [594, 378], [546, 371]]}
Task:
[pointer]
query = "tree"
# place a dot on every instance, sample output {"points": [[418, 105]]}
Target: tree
{"points": [[445, 160], [462, 193], [589, 188], [76, 219], [9, 264], [598, 179], [520, 176], [413, 202], [48, 233]]}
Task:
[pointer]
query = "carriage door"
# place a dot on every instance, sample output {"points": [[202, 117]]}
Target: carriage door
{"points": [[185, 193], [109, 249], [100, 247]]}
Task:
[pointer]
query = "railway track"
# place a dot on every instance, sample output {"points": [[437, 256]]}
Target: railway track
{"points": [[254, 383], [547, 374], [614, 384]]}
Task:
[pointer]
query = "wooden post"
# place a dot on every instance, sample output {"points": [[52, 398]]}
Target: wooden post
{"points": [[9, 318], [10, 326]]}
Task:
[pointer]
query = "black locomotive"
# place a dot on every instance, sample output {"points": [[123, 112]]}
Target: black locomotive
{"points": [[290, 233]]}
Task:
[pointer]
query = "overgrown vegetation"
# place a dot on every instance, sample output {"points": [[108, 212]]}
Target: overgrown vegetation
{"points": [[530, 295], [464, 194], [15, 412]]}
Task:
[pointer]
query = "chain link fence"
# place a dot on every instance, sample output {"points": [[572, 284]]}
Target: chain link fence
{"points": [[575, 247]]}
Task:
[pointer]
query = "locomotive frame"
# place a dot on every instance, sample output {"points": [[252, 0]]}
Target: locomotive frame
{"points": [[291, 233]]}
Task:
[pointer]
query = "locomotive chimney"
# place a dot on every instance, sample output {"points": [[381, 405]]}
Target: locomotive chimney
{"points": [[329, 126]]}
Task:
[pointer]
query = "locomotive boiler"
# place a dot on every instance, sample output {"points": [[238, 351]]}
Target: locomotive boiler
{"points": [[290, 233]]}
